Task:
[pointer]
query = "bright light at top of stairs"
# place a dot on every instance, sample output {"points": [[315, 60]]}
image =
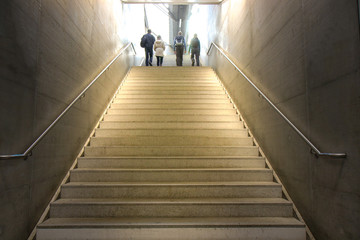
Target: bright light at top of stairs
{"points": [[175, 1]]}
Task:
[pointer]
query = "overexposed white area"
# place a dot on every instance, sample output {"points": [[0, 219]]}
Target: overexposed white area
{"points": [[175, 1], [133, 26], [133, 23], [158, 21], [198, 23]]}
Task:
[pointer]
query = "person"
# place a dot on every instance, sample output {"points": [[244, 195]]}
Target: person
{"points": [[159, 48], [148, 41], [195, 50], [180, 48]]}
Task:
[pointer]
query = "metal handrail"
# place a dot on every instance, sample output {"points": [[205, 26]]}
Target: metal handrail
{"points": [[28, 151], [314, 149]]}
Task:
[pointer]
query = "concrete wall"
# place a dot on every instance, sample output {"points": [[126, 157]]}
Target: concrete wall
{"points": [[49, 51], [304, 55], [180, 12]]}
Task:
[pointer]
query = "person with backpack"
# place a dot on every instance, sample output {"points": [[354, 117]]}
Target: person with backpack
{"points": [[147, 42], [180, 48], [195, 50], [159, 48]]}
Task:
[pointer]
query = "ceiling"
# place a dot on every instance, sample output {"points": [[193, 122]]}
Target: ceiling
{"points": [[176, 2]]}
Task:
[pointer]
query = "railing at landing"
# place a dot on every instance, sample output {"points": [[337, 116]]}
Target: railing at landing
{"points": [[314, 149]]}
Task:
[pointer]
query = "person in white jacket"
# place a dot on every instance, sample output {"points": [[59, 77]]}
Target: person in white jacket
{"points": [[159, 48]]}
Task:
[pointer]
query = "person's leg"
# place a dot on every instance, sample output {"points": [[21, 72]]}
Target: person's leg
{"points": [[151, 56], [178, 56], [192, 58], [157, 60], [146, 57], [197, 58], [181, 55], [161, 60]]}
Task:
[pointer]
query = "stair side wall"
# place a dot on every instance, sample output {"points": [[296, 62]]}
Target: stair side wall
{"points": [[305, 56], [50, 50]]}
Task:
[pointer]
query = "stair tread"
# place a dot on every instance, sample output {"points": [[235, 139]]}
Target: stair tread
{"points": [[174, 121], [157, 222], [171, 96], [100, 184], [174, 157], [175, 169], [166, 137], [183, 129], [166, 125], [187, 201], [219, 112], [165, 83], [159, 114], [154, 146]]}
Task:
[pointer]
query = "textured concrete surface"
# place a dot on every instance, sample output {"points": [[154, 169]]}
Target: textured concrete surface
{"points": [[49, 51], [304, 55]]}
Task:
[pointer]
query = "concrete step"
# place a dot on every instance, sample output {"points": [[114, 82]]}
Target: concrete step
{"points": [[171, 88], [173, 111], [173, 75], [197, 207], [171, 118], [171, 68], [262, 228], [169, 141], [168, 70], [171, 162], [171, 72], [174, 79], [175, 92], [165, 83], [172, 125], [171, 190], [172, 101], [171, 175], [172, 151], [171, 132], [122, 95], [221, 106], [171, 222]]}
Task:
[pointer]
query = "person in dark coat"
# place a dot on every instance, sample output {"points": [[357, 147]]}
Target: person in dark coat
{"points": [[149, 42], [180, 48], [195, 50]]}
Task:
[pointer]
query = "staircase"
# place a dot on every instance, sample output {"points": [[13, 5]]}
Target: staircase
{"points": [[171, 160]]}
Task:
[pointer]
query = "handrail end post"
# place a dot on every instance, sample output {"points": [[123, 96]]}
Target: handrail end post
{"points": [[26, 156], [14, 156], [133, 47], [313, 152], [211, 45], [333, 155]]}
